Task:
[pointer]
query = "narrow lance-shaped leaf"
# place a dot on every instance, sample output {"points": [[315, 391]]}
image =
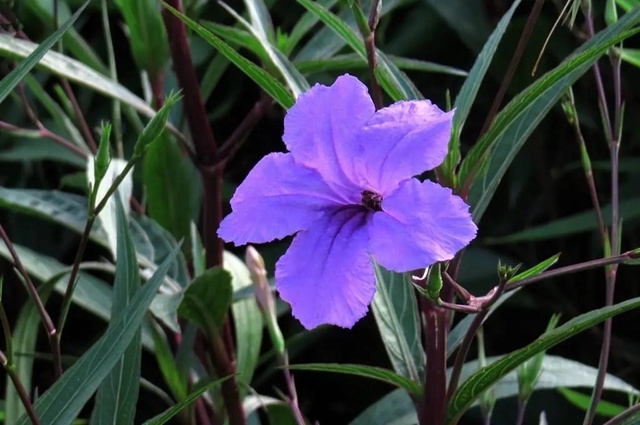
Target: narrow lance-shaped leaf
{"points": [[480, 381], [147, 34], [10, 82], [117, 395], [377, 373], [262, 78], [469, 90], [65, 399], [396, 312], [515, 123]]}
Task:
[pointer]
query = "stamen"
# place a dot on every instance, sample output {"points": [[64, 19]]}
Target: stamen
{"points": [[372, 200]]}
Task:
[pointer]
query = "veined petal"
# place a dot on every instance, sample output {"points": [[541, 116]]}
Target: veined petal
{"points": [[278, 198], [320, 128], [402, 141], [420, 224], [327, 275]]}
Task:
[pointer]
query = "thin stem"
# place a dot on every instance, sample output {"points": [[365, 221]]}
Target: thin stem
{"points": [[465, 345], [515, 60], [291, 388], [33, 292], [460, 290], [522, 408], [240, 134], [574, 268], [624, 415], [6, 328], [370, 47], [611, 272], [20, 389], [593, 192]]}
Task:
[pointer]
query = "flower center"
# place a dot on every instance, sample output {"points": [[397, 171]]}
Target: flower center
{"points": [[371, 200]]}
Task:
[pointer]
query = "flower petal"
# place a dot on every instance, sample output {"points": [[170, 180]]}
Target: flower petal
{"points": [[278, 198], [402, 141], [320, 128], [420, 224], [327, 275]]}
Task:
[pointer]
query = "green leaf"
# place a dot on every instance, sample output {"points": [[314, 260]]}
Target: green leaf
{"points": [[536, 270], [351, 61], [207, 299], [25, 336], [631, 56], [172, 188], [167, 364], [366, 371], [392, 80], [262, 78], [295, 81], [605, 408], [486, 377], [555, 372], [585, 221], [165, 416], [395, 408], [516, 121], [12, 79], [147, 34], [396, 312], [627, 5], [118, 394], [247, 320], [153, 243], [67, 396], [469, 90], [75, 71]]}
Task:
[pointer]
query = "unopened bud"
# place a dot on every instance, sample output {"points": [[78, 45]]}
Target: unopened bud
{"points": [[264, 297]]}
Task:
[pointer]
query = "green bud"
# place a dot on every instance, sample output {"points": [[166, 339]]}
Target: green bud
{"points": [[156, 126], [103, 157]]}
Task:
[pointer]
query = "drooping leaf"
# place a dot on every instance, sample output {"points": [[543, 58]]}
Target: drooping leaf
{"points": [[395, 408], [582, 401]]}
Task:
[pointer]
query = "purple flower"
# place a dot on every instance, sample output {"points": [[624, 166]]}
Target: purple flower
{"points": [[347, 191]]}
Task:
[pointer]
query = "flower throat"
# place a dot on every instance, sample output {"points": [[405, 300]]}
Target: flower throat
{"points": [[371, 200]]}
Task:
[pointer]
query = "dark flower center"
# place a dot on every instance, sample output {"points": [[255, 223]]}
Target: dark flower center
{"points": [[372, 200]]}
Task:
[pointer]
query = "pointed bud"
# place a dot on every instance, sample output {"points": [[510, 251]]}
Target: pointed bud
{"points": [[264, 297]]}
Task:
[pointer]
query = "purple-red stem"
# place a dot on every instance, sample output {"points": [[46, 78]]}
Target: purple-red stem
{"points": [[33, 292], [612, 130], [207, 157]]}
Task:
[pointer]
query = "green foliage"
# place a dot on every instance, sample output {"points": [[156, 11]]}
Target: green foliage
{"points": [[117, 395], [63, 401], [396, 312], [207, 298], [147, 34], [473, 387]]}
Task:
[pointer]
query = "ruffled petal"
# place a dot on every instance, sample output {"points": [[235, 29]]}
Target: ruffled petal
{"points": [[420, 224], [278, 198], [327, 275], [402, 141], [320, 128]]}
